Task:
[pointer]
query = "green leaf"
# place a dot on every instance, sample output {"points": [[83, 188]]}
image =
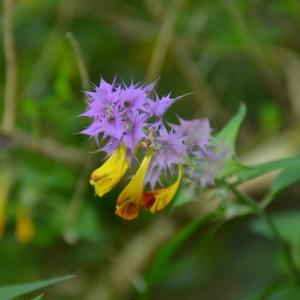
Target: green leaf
{"points": [[274, 291], [288, 227], [287, 224], [290, 293], [12, 291], [261, 169], [231, 167], [170, 247], [230, 131], [287, 177]]}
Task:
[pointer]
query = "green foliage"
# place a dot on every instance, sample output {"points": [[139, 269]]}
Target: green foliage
{"points": [[227, 138], [277, 291], [13, 291], [287, 224], [261, 169], [288, 228], [270, 118], [228, 134], [287, 177], [88, 225], [166, 252]]}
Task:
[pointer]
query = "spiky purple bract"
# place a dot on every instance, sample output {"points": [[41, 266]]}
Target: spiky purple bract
{"points": [[134, 115]]}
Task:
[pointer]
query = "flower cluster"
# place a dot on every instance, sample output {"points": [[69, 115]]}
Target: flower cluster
{"points": [[127, 120]]}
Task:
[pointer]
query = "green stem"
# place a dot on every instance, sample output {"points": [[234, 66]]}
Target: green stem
{"points": [[282, 245], [259, 210]]}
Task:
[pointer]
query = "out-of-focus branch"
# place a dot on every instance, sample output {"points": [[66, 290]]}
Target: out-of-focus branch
{"points": [[46, 62], [155, 7], [202, 92], [79, 60], [10, 89], [49, 148], [135, 255], [70, 234], [164, 39], [139, 30], [262, 59], [133, 28], [291, 65], [74, 209], [127, 266]]}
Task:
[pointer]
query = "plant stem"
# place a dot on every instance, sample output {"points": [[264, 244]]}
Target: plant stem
{"points": [[259, 210], [282, 245], [10, 89]]}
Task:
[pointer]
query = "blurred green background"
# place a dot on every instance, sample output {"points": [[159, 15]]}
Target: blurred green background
{"points": [[224, 52]]}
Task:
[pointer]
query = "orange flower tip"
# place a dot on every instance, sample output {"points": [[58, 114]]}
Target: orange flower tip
{"points": [[156, 200], [93, 179], [128, 211], [148, 199], [128, 202]]}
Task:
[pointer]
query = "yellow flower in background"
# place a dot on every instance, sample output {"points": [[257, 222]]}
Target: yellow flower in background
{"points": [[129, 201], [110, 173], [25, 229], [4, 189], [2, 217], [158, 199]]}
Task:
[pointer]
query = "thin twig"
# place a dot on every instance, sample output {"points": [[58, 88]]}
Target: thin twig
{"points": [[49, 148], [125, 270], [74, 209], [141, 30], [46, 62], [163, 41], [80, 61], [76, 203], [256, 52], [10, 89], [202, 92]]}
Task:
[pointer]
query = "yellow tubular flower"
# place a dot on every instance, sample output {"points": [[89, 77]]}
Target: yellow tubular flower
{"points": [[25, 230], [158, 199], [128, 203], [110, 173]]}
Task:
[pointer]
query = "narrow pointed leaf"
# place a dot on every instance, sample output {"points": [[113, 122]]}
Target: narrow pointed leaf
{"points": [[13, 291], [261, 169], [287, 177], [230, 131]]}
